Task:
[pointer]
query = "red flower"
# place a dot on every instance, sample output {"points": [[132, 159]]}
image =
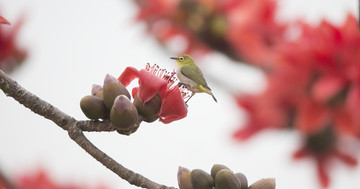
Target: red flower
{"points": [[313, 85], [241, 29], [322, 147], [164, 20], [252, 30], [152, 81], [41, 180], [10, 54], [4, 21]]}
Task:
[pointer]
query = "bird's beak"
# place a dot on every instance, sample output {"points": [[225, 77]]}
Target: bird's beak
{"points": [[175, 58]]}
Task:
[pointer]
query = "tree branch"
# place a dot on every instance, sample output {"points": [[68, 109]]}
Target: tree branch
{"points": [[75, 130]]}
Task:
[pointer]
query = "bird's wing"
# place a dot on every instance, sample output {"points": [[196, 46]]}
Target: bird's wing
{"points": [[195, 73]]}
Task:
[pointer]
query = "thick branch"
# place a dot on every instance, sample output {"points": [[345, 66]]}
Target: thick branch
{"points": [[75, 129], [133, 178], [13, 89], [98, 126]]}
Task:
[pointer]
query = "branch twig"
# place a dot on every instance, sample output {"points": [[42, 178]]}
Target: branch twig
{"points": [[75, 130]]}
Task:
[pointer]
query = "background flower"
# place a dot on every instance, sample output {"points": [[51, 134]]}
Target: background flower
{"points": [[11, 55], [311, 77], [111, 42]]}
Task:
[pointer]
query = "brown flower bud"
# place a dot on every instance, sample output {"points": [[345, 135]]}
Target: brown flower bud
{"points": [[216, 168], [225, 179], [123, 113], [95, 89], [185, 181], [201, 179], [268, 183], [93, 107], [100, 94], [243, 180], [111, 89], [149, 111]]}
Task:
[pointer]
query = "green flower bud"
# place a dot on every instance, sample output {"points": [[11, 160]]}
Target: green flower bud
{"points": [[112, 89], [268, 183], [123, 114], [93, 107], [216, 168], [185, 181], [201, 179], [150, 109], [243, 180], [225, 179]]}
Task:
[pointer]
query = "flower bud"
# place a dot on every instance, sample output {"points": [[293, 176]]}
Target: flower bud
{"points": [[268, 183], [100, 94], [225, 179], [93, 107], [181, 171], [185, 181], [111, 89], [149, 111], [201, 179], [123, 113], [95, 89], [216, 168], [243, 180]]}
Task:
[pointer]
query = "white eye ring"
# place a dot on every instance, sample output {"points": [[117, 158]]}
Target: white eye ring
{"points": [[181, 58]]}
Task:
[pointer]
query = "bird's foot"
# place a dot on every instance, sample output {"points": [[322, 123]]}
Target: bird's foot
{"points": [[183, 84]]}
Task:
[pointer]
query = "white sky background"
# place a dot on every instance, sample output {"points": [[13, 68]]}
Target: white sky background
{"points": [[75, 43]]}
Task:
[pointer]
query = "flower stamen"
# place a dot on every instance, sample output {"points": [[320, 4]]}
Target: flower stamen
{"points": [[169, 77]]}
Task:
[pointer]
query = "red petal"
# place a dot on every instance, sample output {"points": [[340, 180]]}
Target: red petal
{"points": [[322, 173], [300, 153], [345, 122], [134, 91], [349, 160], [353, 98], [327, 87], [311, 117], [353, 104], [128, 75], [149, 85], [173, 107], [247, 131], [4, 21]]}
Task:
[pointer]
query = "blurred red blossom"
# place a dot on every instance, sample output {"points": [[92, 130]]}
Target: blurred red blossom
{"points": [[313, 79], [252, 30], [42, 180], [314, 85], [4, 21], [241, 29], [10, 54], [323, 147], [153, 81]]}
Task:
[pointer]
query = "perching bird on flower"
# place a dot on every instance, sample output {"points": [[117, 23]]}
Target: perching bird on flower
{"points": [[191, 76]]}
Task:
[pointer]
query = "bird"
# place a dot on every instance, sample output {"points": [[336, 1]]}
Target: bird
{"points": [[190, 75]]}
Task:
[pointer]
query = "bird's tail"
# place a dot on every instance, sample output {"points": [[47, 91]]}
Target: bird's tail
{"points": [[213, 96], [208, 91]]}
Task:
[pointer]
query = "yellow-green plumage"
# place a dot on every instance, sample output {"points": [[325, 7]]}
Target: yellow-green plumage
{"points": [[191, 76]]}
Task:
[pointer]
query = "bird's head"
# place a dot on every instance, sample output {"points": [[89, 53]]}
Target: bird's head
{"points": [[183, 60]]}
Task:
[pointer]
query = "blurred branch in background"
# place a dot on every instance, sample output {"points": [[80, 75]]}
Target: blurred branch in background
{"points": [[66, 122], [312, 72]]}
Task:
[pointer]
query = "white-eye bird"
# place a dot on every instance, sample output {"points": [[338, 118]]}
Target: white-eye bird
{"points": [[191, 76]]}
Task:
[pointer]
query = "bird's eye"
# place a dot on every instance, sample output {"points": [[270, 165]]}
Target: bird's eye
{"points": [[181, 58]]}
